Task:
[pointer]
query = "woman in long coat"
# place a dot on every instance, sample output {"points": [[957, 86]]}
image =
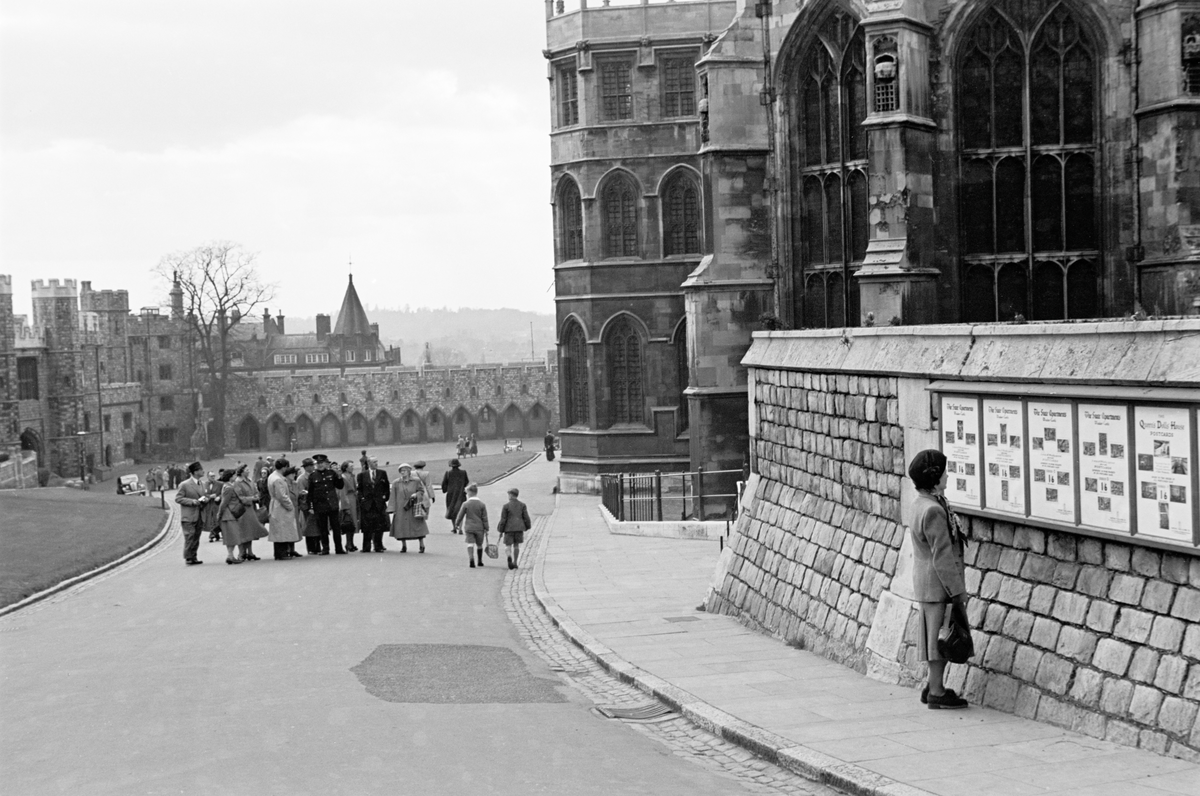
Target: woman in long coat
{"points": [[230, 530], [408, 493], [348, 504], [282, 531], [454, 487], [246, 528]]}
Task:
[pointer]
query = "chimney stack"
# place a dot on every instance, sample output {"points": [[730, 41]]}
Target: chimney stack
{"points": [[279, 323], [322, 327]]}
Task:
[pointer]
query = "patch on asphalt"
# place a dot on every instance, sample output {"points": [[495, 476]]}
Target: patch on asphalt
{"points": [[466, 674]]}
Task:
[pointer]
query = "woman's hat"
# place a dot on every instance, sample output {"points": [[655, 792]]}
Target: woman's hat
{"points": [[455, 463], [419, 464], [405, 466], [926, 468]]}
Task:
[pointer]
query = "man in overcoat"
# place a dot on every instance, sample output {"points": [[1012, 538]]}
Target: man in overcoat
{"points": [[373, 492], [192, 496]]}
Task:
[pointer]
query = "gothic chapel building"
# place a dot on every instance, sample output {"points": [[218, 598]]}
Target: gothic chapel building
{"points": [[720, 167]]}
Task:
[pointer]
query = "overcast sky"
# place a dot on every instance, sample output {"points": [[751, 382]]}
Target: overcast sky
{"points": [[409, 134]]}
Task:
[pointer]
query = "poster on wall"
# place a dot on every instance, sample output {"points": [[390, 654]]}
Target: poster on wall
{"points": [[1163, 446], [1051, 461], [1104, 500], [960, 444], [1004, 456]]}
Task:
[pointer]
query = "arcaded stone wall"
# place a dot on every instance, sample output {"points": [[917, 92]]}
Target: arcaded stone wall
{"points": [[1092, 631]]}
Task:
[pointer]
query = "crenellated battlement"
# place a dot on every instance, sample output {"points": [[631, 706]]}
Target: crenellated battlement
{"points": [[42, 289], [6, 284]]}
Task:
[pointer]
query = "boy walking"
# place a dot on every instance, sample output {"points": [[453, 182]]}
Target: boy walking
{"points": [[514, 522], [472, 521]]}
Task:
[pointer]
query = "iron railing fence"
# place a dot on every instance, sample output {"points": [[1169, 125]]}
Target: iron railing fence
{"points": [[658, 496]]}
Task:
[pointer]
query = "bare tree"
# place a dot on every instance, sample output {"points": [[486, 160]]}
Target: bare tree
{"points": [[221, 288]]}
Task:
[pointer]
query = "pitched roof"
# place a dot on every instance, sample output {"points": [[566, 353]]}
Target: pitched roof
{"points": [[352, 318]]}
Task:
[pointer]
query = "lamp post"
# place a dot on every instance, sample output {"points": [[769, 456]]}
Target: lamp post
{"points": [[79, 435]]}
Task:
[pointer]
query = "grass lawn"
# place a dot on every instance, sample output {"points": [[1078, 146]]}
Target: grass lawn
{"points": [[49, 535]]}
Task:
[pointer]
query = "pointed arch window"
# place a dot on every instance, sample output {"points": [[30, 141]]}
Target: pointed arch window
{"points": [[575, 377], [570, 222], [626, 373], [1028, 151], [619, 217], [829, 185], [681, 216]]}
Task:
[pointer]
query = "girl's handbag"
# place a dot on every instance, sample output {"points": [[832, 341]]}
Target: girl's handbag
{"points": [[263, 513], [956, 645], [492, 550]]}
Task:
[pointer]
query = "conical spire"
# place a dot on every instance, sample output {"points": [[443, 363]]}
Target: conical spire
{"points": [[352, 318]]}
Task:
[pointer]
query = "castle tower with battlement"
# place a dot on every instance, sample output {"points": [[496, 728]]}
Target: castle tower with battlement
{"points": [[8, 364]]}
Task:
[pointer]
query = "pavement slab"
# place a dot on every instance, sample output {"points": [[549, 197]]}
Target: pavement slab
{"points": [[809, 713]]}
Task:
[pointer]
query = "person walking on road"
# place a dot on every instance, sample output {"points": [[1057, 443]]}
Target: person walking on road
{"points": [[472, 520], [408, 509], [192, 496], [282, 528], [514, 522], [210, 515], [473, 445], [454, 487], [231, 532], [419, 471], [939, 578], [373, 492], [548, 444], [323, 486], [348, 505]]}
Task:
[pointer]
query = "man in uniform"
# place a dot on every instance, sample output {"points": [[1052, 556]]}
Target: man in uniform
{"points": [[305, 523], [323, 500], [192, 496], [373, 493]]}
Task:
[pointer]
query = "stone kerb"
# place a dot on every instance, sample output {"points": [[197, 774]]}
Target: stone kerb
{"points": [[703, 531], [1095, 634]]}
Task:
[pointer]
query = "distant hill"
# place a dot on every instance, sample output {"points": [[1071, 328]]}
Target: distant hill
{"points": [[457, 337]]}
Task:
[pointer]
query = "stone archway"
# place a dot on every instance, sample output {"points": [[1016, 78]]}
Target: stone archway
{"points": [[385, 428], [32, 441], [331, 431], [435, 426], [247, 435], [356, 429], [410, 427], [306, 433], [489, 422], [514, 422], [538, 420], [461, 423], [277, 433]]}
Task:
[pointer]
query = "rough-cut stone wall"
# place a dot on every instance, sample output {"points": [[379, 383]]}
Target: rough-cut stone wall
{"points": [[812, 563], [1093, 632]]}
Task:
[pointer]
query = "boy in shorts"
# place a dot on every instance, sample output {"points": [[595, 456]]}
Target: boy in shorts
{"points": [[472, 521], [514, 522]]}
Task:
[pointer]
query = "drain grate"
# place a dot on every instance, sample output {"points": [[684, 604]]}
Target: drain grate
{"points": [[647, 712]]}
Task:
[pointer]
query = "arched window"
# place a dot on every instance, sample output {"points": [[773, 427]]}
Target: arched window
{"points": [[1027, 154], [619, 217], [681, 216], [287, 400], [570, 222], [575, 376], [829, 146], [626, 374]]}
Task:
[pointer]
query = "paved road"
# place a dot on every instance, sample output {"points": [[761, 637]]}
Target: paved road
{"points": [[350, 674]]}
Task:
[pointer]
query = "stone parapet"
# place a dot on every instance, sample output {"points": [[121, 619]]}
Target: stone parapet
{"points": [[1095, 631]]}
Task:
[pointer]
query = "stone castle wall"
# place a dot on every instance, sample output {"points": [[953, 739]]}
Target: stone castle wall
{"points": [[390, 405], [1094, 631]]}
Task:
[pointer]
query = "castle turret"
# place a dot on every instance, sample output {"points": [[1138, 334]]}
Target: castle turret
{"points": [[8, 365]]}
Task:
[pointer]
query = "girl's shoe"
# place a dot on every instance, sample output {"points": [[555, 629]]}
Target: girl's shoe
{"points": [[472, 563], [252, 557], [422, 550], [233, 561]]}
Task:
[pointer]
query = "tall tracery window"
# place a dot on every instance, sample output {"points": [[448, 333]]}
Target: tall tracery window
{"points": [[570, 222], [567, 84], [1028, 153], [575, 377], [616, 89], [681, 216], [625, 373], [829, 183], [619, 217]]}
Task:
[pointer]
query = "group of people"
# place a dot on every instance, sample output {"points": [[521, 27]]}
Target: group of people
{"points": [[320, 500], [467, 446], [169, 477]]}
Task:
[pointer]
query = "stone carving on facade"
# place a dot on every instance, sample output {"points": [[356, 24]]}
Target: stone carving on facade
{"points": [[1190, 54]]}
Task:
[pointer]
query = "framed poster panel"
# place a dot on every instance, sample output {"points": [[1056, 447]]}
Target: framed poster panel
{"points": [[1004, 456], [960, 444], [1052, 451], [1163, 446], [1104, 457]]}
